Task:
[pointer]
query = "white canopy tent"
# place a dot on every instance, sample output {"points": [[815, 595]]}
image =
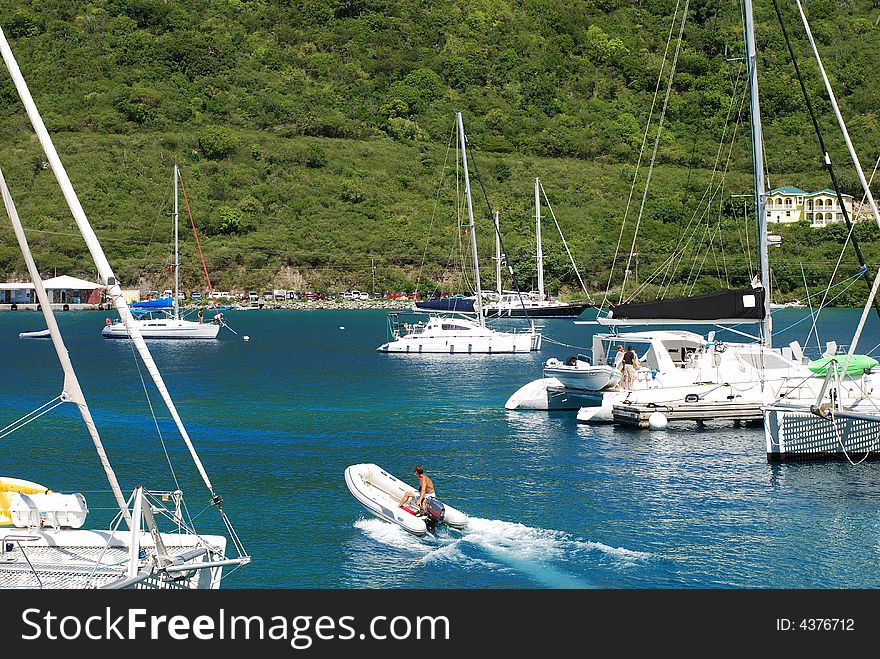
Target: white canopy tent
{"points": [[62, 290]]}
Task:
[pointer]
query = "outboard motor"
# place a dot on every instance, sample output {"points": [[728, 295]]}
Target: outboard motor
{"points": [[434, 513]]}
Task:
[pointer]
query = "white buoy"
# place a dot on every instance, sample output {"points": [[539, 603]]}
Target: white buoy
{"points": [[246, 337], [657, 421], [342, 327]]}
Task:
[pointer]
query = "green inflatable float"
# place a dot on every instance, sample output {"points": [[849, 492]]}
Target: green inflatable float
{"points": [[857, 365]]}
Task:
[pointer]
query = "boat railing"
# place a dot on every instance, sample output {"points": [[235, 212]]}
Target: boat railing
{"points": [[398, 326]]}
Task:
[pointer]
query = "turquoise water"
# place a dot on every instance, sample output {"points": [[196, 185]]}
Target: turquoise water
{"points": [[553, 503]]}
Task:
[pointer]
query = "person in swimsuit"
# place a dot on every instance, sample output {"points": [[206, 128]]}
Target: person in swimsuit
{"points": [[426, 488]]}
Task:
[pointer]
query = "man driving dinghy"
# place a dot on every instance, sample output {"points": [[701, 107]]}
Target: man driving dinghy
{"points": [[426, 489], [394, 501], [427, 505]]}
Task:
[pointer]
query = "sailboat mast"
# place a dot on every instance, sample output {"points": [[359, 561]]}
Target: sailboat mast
{"points": [[497, 255], [539, 252], [758, 167], [105, 272], [71, 389], [470, 207], [176, 253]]}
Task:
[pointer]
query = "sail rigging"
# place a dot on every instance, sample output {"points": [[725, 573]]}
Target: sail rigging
{"points": [[66, 559]]}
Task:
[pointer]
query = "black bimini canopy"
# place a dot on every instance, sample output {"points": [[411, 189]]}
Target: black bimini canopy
{"points": [[746, 305]]}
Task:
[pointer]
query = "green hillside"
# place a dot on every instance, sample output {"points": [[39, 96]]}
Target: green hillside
{"points": [[314, 138]]}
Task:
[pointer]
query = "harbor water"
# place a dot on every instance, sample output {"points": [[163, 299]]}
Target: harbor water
{"points": [[553, 504]]}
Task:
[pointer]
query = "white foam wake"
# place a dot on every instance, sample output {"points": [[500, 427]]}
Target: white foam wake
{"points": [[540, 554]]}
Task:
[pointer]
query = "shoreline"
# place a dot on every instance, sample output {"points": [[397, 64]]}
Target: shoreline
{"points": [[297, 305]]}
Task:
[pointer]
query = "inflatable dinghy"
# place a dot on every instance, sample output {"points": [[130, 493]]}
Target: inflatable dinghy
{"points": [[380, 493]]}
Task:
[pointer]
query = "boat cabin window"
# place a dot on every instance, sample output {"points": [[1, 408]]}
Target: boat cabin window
{"points": [[449, 327], [766, 360]]}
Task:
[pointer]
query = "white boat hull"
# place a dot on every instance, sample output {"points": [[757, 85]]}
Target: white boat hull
{"points": [[380, 493], [549, 394], [164, 329], [36, 334], [79, 559], [582, 376], [500, 344], [459, 336], [799, 435]]}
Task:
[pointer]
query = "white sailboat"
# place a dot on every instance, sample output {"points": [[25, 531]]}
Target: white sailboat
{"points": [[159, 323], [835, 415], [151, 542], [532, 304], [461, 333]]}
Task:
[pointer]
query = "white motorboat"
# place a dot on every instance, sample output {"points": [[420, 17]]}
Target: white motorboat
{"points": [[578, 372], [380, 493]]}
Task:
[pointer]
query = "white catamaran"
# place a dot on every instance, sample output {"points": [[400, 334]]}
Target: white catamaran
{"points": [[465, 333], [151, 543]]}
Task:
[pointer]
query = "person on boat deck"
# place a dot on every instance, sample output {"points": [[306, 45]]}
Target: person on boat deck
{"points": [[618, 358], [201, 316], [630, 366], [426, 488]]}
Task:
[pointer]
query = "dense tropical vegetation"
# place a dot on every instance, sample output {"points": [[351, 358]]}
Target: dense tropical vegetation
{"points": [[314, 136]]}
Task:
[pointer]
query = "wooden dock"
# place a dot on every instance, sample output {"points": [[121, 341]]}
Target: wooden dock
{"points": [[638, 415]]}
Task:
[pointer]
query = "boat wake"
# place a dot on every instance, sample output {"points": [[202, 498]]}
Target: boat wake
{"points": [[552, 559]]}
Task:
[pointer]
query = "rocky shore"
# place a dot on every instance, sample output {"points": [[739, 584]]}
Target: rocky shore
{"points": [[339, 303], [301, 304]]}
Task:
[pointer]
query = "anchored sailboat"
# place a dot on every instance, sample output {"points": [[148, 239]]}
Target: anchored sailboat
{"points": [[155, 321], [48, 546], [534, 304]]}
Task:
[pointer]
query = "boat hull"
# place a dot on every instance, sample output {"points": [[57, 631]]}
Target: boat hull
{"points": [[164, 329], [66, 558], [36, 334], [549, 394], [379, 493], [591, 378], [793, 435], [544, 311], [457, 304], [498, 344]]}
